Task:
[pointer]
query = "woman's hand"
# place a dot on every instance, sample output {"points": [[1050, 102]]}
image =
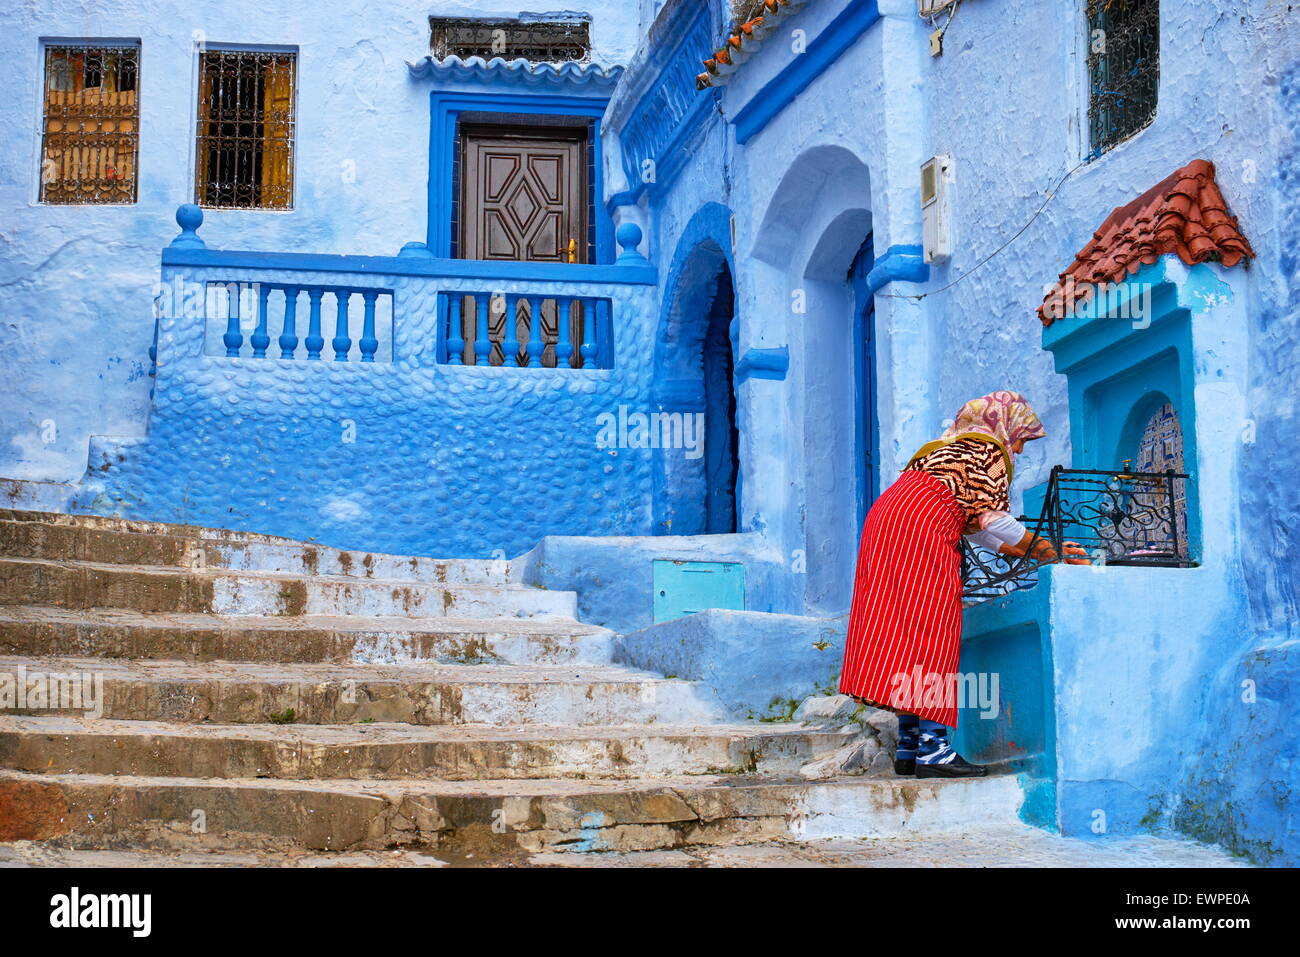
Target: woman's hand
{"points": [[1041, 551], [1079, 553]]}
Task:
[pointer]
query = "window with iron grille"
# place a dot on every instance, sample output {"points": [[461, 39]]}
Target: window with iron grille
{"points": [[90, 139], [244, 158], [539, 40], [1123, 69]]}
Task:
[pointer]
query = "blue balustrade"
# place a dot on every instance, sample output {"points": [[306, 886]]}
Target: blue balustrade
{"points": [[482, 340], [587, 314], [563, 343], [289, 332], [535, 344], [456, 332], [341, 343], [286, 318], [234, 337], [580, 337], [315, 341], [510, 337], [368, 341], [260, 338]]}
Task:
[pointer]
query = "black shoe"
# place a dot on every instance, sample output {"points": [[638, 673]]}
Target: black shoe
{"points": [[956, 768], [904, 767]]}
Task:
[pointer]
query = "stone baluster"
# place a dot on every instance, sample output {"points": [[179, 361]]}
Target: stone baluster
{"points": [[341, 343], [510, 339], [369, 344], [587, 308], [261, 338], [315, 341], [535, 345], [289, 331], [234, 337], [563, 343], [455, 330], [482, 344]]}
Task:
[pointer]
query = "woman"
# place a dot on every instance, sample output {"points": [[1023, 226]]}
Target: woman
{"points": [[905, 626]]}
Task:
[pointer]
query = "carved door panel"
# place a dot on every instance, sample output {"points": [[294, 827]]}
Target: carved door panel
{"points": [[523, 195]]}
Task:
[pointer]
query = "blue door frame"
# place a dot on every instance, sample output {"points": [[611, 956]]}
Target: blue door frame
{"points": [[866, 456], [445, 111]]}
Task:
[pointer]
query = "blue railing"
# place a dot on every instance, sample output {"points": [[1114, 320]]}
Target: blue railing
{"points": [[262, 309], [530, 331], [414, 308]]}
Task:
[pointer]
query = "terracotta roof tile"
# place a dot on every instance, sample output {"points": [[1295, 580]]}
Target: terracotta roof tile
{"points": [[743, 41], [1184, 214]]}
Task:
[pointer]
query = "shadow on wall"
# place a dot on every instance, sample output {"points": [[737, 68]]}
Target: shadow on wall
{"points": [[697, 483]]}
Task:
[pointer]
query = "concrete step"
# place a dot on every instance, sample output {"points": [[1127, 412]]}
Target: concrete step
{"points": [[385, 751], [997, 845], [483, 817], [114, 541], [147, 588], [118, 633], [422, 694], [114, 523]]}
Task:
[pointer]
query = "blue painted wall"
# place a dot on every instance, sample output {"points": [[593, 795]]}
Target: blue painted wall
{"points": [[79, 281], [779, 176]]}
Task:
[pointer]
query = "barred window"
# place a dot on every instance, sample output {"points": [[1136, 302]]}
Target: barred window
{"points": [[90, 140], [1123, 69], [538, 40], [244, 158]]}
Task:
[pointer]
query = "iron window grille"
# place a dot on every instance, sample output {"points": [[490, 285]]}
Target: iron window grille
{"points": [[1123, 69], [245, 152], [537, 40], [90, 143], [1119, 518]]}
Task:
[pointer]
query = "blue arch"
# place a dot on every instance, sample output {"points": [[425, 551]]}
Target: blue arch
{"points": [[683, 500]]}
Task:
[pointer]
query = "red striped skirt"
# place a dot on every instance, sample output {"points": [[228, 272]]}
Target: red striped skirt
{"points": [[904, 641]]}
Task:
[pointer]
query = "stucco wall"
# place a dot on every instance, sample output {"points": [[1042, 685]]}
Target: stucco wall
{"points": [[79, 280], [1008, 100], [408, 457]]}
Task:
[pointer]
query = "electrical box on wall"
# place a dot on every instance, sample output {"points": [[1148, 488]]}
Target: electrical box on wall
{"points": [[937, 175]]}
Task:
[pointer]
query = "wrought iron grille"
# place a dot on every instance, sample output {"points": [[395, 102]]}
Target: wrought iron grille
{"points": [[1119, 518], [91, 132], [1123, 69], [537, 40], [246, 124]]}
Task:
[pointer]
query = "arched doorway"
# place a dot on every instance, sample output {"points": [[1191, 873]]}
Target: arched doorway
{"points": [[697, 488], [721, 464], [866, 425]]}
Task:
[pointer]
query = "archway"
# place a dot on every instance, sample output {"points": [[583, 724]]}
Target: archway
{"points": [[697, 483], [815, 235]]}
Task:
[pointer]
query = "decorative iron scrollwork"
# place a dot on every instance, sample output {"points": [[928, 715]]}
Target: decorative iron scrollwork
{"points": [[1117, 517]]}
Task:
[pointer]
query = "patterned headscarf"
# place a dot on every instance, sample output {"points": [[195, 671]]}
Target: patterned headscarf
{"points": [[1004, 415]]}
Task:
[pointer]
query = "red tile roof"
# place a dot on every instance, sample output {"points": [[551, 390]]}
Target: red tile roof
{"points": [[1184, 214], [743, 41]]}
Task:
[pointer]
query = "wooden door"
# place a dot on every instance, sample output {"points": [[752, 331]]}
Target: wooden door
{"points": [[523, 194]]}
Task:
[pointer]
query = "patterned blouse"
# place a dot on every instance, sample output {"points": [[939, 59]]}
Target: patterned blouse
{"points": [[974, 471]]}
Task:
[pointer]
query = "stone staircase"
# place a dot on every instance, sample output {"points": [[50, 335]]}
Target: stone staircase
{"points": [[251, 692]]}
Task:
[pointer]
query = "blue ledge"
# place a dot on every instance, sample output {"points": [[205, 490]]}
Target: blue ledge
{"points": [[763, 364], [905, 263], [844, 31], [523, 72], [642, 274]]}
